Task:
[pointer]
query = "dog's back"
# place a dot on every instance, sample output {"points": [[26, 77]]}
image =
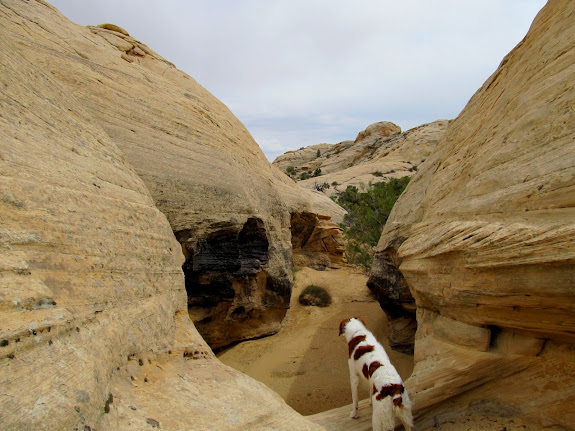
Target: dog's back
{"points": [[368, 358], [367, 353]]}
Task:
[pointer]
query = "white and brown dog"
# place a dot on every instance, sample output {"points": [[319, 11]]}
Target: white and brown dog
{"points": [[368, 358]]}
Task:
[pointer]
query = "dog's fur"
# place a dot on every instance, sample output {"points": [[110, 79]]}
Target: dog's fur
{"points": [[368, 358]]}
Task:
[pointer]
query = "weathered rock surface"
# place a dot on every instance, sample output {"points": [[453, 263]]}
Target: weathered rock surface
{"points": [[331, 158], [202, 167], [94, 326], [483, 238], [379, 153], [316, 241], [305, 159]]}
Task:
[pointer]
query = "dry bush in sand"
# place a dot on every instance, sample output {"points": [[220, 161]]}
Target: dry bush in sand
{"points": [[316, 296]]}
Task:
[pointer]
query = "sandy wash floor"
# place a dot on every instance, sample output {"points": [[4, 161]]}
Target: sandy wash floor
{"points": [[306, 362]]}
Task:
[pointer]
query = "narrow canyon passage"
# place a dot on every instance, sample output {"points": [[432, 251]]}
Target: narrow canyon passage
{"points": [[306, 362]]}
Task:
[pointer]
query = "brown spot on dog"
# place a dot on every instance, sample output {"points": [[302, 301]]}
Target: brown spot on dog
{"points": [[372, 367], [342, 325], [397, 401], [362, 350], [365, 371], [354, 342], [389, 390]]}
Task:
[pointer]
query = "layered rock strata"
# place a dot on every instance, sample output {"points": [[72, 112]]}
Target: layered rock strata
{"points": [[483, 240], [203, 169], [316, 241], [94, 326]]}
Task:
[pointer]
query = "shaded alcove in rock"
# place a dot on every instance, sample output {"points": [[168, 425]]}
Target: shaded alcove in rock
{"points": [[231, 294], [392, 291]]}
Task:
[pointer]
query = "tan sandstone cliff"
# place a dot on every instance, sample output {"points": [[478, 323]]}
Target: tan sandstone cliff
{"points": [[230, 209], [94, 325], [379, 153], [481, 245]]}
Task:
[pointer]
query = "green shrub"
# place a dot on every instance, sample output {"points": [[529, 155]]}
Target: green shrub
{"points": [[290, 170], [367, 213], [321, 187], [359, 254], [295, 271], [315, 295]]}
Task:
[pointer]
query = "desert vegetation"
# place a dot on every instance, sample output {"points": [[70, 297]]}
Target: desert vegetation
{"points": [[368, 211], [315, 295], [320, 187]]}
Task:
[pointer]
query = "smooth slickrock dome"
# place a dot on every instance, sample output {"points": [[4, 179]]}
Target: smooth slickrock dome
{"points": [[94, 324], [230, 209], [481, 244], [379, 153], [331, 158]]}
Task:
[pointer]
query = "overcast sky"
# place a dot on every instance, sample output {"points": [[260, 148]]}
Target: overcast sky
{"points": [[304, 72]]}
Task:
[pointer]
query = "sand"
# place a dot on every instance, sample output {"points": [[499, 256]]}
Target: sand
{"points": [[306, 362]]}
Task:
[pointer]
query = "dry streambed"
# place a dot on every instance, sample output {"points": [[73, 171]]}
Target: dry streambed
{"points": [[306, 362]]}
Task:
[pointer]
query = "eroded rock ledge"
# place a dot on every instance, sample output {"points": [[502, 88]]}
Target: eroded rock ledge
{"points": [[316, 241]]}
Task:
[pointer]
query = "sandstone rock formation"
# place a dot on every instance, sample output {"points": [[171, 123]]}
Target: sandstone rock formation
{"points": [[379, 153], [94, 326], [377, 130], [202, 167], [337, 157], [483, 241], [316, 241], [305, 159]]}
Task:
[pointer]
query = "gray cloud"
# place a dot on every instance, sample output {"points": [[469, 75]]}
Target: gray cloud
{"points": [[301, 72]]}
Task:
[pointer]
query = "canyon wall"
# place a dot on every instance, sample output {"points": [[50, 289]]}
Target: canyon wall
{"points": [[229, 208], [480, 245], [94, 324]]}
